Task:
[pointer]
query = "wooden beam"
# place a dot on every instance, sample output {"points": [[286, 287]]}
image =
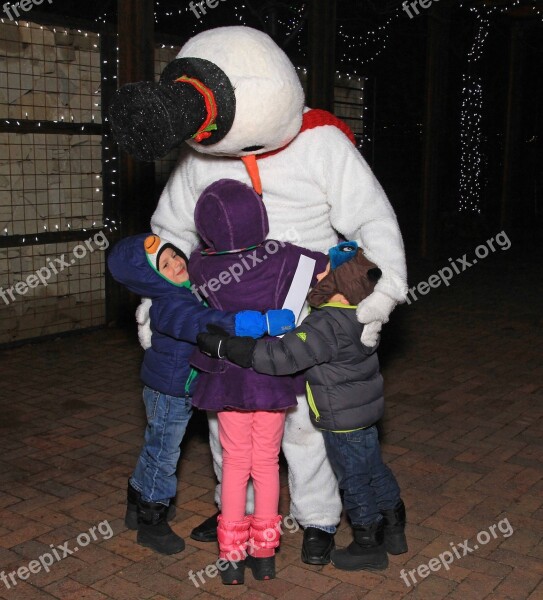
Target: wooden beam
{"points": [[136, 63], [321, 54], [437, 77], [512, 120], [134, 201]]}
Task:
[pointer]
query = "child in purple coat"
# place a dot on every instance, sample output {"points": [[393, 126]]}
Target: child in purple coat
{"points": [[153, 267], [240, 268]]}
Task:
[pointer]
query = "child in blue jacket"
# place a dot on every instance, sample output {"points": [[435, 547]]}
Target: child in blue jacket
{"points": [[152, 267]]}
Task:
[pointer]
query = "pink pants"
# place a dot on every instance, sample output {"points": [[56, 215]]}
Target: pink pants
{"points": [[251, 442]]}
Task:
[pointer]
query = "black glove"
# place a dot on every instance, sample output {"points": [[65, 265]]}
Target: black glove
{"points": [[213, 344], [239, 350]]}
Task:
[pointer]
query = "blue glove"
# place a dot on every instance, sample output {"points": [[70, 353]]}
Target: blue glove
{"points": [[280, 321], [254, 324]]}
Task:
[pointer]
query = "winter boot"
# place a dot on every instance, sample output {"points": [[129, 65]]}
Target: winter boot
{"points": [[394, 529], [131, 516], [233, 537], [206, 531], [317, 546], [366, 552], [264, 538], [154, 531]]}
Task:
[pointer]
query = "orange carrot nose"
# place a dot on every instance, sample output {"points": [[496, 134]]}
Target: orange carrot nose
{"points": [[252, 168]]}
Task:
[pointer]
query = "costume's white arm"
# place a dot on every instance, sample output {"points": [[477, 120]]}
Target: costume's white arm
{"points": [[173, 218], [360, 210]]}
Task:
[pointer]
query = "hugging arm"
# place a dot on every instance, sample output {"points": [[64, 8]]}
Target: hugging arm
{"points": [[308, 345]]}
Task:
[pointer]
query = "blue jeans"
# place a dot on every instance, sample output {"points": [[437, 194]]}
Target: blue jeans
{"points": [[167, 419], [368, 485]]}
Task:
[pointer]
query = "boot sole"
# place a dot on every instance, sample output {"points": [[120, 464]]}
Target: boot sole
{"points": [[324, 560], [256, 569], [229, 578], [396, 552], [237, 581], [396, 546], [203, 537], [315, 561], [152, 546]]}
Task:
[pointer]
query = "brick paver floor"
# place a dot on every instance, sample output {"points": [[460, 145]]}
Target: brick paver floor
{"points": [[463, 433]]}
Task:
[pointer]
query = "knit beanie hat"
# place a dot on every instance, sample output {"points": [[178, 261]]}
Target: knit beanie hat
{"points": [[355, 279], [155, 246]]}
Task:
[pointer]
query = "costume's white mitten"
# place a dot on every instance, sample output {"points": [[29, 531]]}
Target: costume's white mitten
{"points": [[370, 335], [144, 322], [373, 311]]}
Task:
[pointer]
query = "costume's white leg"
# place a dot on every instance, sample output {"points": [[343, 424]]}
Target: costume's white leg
{"points": [[216, 452], [314, 494]]}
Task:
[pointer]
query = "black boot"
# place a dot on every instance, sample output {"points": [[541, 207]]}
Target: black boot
{"points": [[132, 499], [317, 546], [206, 531], [154, 531], [366, 552], [394, 529], [262, 568], [234, 574]]}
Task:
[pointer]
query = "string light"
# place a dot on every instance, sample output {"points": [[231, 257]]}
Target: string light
{"points": [[471, 115], [46, 224]]}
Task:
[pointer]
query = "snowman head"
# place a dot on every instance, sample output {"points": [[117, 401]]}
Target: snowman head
{"points": [[256, 91]]}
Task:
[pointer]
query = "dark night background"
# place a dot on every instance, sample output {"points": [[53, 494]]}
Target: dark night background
{"points": [[396, 64]]}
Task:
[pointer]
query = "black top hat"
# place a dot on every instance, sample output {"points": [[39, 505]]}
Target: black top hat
{"points": [[193, 99]]}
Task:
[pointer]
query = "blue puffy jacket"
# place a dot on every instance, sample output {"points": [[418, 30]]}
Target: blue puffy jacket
{"points": [[176, 318]]}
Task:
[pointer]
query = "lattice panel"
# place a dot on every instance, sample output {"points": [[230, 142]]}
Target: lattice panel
{"points": [[348, 100], [49, 73], [49, 182], [73, 298]]}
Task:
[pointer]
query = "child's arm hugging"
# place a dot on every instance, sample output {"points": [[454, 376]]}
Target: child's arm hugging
{"points": [[184, 320], [312, 343]]}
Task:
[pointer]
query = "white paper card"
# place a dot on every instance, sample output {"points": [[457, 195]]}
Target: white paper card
{"points": [[300, 285]]}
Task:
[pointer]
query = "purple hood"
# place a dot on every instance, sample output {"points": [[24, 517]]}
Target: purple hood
{"points": [[230, 215]]}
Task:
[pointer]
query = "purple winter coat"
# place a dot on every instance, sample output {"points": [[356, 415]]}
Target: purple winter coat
{"points": [[230, 216]]}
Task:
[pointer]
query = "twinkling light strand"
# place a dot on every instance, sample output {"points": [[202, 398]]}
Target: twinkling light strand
{"points": [[471, 115]]}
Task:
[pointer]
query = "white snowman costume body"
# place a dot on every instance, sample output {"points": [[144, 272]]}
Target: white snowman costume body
{"points": [[316, 186]]}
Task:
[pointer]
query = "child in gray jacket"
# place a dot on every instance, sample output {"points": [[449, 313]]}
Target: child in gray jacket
{"points": [[345, 394]]}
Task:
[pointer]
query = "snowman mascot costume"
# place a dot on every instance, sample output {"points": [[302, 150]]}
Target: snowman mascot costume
{"points": [[234, 97]]}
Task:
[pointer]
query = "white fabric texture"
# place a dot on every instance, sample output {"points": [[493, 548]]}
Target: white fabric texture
{"points": [[317, 186]]}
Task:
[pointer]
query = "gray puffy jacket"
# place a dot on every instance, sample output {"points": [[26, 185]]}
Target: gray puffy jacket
{"points": [[344, 384]]}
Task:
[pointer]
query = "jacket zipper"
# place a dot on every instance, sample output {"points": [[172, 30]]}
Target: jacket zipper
{"points": [[311, 402], [192, 376]]}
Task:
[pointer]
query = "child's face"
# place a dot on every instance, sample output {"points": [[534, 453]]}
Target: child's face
{"points": [[173, 267], [324, 273]]}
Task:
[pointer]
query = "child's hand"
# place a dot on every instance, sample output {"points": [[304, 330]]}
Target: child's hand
{"points": [[280, 321], [238, 350], [255, 324], [213, 344]]}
